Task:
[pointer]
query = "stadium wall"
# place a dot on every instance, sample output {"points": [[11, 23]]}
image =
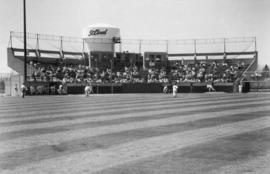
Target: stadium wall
{"points": [[13, 84], [150, 88], [17, 64], [262, 86], [45, 88], [106, 88]]}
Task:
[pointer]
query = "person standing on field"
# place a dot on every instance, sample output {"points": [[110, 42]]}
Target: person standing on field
{"points": [[23, 89], [165, 89], [210, 87], [175, 88], [16, 90], [240, 87], [88, 89]]}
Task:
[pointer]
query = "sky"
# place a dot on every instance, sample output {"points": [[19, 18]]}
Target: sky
{"points": [[141, 19]]}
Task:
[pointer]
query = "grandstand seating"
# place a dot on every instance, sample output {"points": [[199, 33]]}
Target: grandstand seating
{"points": [[201, 71], [65, 66], [53, 69]]}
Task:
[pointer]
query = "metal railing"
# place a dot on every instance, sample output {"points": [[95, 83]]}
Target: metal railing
{"points": [[236, 44], [256, 76]]}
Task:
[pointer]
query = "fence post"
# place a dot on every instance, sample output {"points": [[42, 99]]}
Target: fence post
{"points": [[10, 39], [167, 46], [10, 85], [195, 50]]}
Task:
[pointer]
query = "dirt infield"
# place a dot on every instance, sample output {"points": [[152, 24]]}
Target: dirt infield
{"points": [[135, 133]]}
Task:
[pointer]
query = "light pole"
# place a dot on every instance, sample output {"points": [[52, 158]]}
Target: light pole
{"points": [[24, 36]]}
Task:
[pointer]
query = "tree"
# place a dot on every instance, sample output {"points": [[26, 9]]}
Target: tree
{"points": [[265, 72]]}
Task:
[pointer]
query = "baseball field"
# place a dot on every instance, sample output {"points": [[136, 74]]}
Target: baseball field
{"points": [[135, 134]]}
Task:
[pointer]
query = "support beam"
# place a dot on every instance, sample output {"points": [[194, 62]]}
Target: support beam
{"points": [[140, 46], [89, 60], [61, 47], [195, 50], [25, 46], [37, 47], [167, 46], [140, 51], [83, 52], [255, 44], [10, 39], [224, 49]]}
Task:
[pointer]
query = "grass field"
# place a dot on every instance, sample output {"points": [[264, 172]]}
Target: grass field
{"points": [[135, 133]]}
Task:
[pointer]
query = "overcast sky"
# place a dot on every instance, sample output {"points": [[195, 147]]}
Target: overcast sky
{"points": [[141, 19]]}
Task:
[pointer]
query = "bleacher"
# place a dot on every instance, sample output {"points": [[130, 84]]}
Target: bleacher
{"points": [[76, 68]]}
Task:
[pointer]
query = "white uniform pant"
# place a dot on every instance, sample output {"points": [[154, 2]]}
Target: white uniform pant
{"points": [[174, 93], [87, 90], [240, 88]]}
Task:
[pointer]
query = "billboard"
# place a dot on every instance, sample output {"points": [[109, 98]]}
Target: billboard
{"points": [[101, 37]]}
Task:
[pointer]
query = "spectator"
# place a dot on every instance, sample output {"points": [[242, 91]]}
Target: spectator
{"points": [[197, 72]]}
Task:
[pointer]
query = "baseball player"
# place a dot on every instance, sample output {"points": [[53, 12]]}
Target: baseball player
{"points": [[23, 89], [175, 88], [165, 89], [210, 87], [88, 89]]}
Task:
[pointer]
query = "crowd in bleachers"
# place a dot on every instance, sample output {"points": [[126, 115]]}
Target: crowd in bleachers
{"points": [[202, 72], [81, 73], [198, 72]]}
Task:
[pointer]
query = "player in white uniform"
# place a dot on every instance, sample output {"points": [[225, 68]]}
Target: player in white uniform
{"points": [[60, 89], [88, 89], [175, 88], [165, 89], [210, 87], [23, 89], [240, 87]]}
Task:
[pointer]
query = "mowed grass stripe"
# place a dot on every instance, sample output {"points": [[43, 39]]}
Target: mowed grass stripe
{"points": [[46, 110], [93, 103], [90, 102], [56, 138], [77, 113], [43, 100], [46, 100], [81, 121], [109, 118], [86, 124], [39, 102], [220, 156], [97, 160], [78, 99], [66, 102], [18, 158]]}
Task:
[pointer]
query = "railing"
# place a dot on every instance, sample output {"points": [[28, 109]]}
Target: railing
{"points": [[257, 76], [236, 44], [242, 76]]}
